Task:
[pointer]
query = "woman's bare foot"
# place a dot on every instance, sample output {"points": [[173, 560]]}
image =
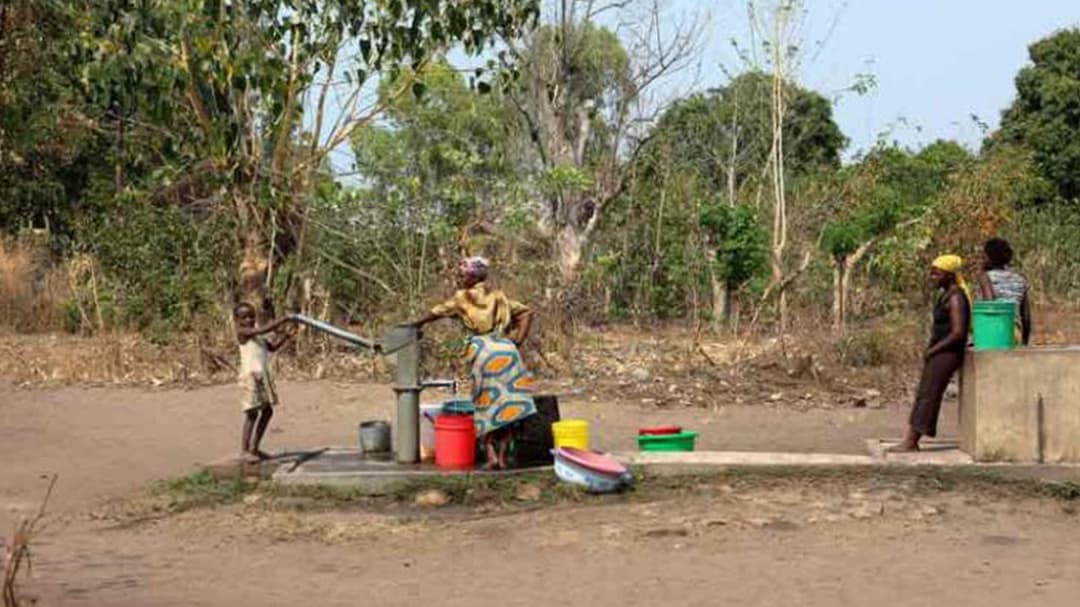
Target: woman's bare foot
{"points": [[490, 454], [903, 447], [910, 444]]}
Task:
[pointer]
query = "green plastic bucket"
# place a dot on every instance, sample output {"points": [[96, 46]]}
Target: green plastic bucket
{"points": [[993, 322], [683, 441]]}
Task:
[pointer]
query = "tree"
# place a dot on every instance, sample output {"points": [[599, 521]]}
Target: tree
{"points": [[436, 170], [224, 84], [722, 139], [984, 197], [577, 100], [723, 135], [740, 248], [887, 190], [1045, 116], [47, 151]]}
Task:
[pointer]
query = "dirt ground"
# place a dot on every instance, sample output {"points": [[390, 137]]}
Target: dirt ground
{"points": [[836, 543], [106, 441]]}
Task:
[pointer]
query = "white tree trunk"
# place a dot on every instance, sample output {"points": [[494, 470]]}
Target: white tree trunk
{"points": [[570, 245], [779, 188], [839, 265], [721, 300], [845, 293]]}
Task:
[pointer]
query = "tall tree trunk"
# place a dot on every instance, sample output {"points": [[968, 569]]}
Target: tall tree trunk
{"points": [[254, 269], [779, 239], [845, 293], [839, 270], [721, 299], [843, 268], [569, 253]]}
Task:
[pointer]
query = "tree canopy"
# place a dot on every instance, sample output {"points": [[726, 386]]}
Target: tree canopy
{"points": [[1045, 115], [728, 130]]}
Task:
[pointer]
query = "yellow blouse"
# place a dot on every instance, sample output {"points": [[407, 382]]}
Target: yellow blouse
{"points": [[481, 309]]}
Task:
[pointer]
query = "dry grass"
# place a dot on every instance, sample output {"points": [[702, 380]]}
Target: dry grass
{"points": [[666, 365], [33, 293], [17, 550], [129, 359]]}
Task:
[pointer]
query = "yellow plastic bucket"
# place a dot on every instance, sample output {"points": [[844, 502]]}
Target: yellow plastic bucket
{"points": [[571, 433]]}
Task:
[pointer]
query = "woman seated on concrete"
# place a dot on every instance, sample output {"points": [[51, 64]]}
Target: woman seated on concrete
{"points": [[1000, 281], [501, 385], [945, 355]]}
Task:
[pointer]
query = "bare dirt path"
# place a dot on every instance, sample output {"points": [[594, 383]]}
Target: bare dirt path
{"points": [[105, 441], [814, 546], [804, 544]]}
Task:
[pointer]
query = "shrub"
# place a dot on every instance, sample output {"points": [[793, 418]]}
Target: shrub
{"points": [[871, 348]]}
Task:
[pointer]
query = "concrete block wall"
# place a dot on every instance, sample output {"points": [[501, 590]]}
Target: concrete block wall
{"points": [[1021, 405]]}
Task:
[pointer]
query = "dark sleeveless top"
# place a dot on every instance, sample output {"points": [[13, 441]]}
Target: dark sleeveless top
{"points": [[943, 325]]}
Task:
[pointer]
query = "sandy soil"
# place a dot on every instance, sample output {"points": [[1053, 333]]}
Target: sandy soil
{"points": [[838, 543], [106, 441]]}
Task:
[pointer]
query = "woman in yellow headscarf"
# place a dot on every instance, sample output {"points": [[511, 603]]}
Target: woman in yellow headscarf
{"points": [[945, 354]]}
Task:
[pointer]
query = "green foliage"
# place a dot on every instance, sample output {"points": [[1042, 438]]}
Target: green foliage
{"points": [[669, 242], [1046, 113], [699, 132], [841, 238], [597, 66], [163, 270], [654, 233], [565, 179], [439, 165], [151, 138], [47, 153], [1046, 240], [201, 490], [889, 185], [741, 243], [223, 85]]}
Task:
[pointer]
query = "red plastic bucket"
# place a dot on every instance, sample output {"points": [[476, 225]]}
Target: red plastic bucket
{"points": [[455, 442]]}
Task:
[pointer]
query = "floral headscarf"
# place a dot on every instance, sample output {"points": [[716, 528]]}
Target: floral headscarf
{"points": [[474, 267]]}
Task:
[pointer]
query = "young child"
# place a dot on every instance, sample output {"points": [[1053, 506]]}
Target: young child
{"points": [[260, 398]]}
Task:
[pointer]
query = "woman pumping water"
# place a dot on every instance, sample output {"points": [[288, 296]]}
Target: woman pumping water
{"points": [[501, 385]]}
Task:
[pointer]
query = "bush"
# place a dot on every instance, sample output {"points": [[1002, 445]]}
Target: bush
{"points": [[871, 348]]}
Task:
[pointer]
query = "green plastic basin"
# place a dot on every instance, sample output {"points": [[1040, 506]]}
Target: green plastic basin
{"points": [[683, 441]]}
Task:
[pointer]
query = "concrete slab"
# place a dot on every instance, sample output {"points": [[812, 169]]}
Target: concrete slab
{"points": [[936, 452], [741, 458], [346, 467], [234, 466]]}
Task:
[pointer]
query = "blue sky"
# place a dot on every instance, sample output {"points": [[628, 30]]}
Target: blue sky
{"points": [[936, 62]]}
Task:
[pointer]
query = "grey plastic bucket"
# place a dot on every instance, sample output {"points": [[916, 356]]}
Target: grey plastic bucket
{"points": [[375, 437]]}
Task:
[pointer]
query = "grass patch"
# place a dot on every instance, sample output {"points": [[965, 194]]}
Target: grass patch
{"points": [[915, 480], [201, 490], [484, 495]]}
